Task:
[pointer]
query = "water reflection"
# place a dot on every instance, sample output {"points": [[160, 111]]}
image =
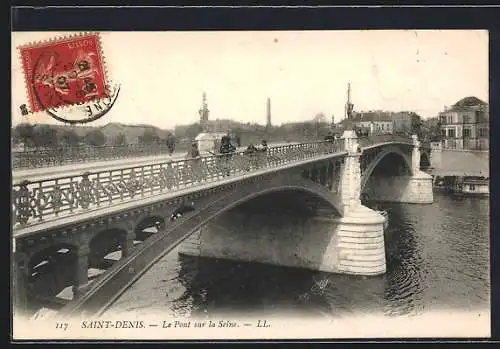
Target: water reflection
{"points": [[437, 258], [405, 266]]}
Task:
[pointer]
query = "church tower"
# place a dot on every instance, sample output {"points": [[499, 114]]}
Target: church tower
{"points": [[204, 114]]}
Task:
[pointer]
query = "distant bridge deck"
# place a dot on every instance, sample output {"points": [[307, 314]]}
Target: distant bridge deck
{"points": [[73, 169], [78, 155]]}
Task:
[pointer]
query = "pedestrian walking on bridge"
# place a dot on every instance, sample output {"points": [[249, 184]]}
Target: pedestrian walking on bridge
{"points": [[329, 137], [196, 163], [170, 144], [251, 153], [263, 148], [226, 150]]}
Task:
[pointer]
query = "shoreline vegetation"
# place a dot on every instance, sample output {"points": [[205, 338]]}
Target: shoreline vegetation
{"points": [[27, 136]]}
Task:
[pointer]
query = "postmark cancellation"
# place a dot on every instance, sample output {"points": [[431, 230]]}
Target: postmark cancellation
{"points": [[64, 72]]}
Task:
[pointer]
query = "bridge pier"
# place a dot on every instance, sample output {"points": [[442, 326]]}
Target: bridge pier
{"points": [[20, 283], [128, 242], [416, 189], [82, 270], [350, 176], [420, 185], [359, 245]]}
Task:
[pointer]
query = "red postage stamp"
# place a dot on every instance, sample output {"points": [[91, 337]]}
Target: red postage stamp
{"points": [[64, 72]]}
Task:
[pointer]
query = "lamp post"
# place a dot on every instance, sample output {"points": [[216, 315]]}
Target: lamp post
{"points": [[349, 107]]}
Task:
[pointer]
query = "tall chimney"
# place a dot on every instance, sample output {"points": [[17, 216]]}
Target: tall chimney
{"points": [[348, 106], [268, 112]]}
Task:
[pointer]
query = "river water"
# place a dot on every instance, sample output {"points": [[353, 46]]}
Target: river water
{"points": [[437, 260]]}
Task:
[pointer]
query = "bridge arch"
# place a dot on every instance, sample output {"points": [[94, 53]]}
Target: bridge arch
{"points": [[42, 247], [104, 242], [52, 268], [296, 184], [394, 151], [103, 292], [46, 251], [146, 222]]}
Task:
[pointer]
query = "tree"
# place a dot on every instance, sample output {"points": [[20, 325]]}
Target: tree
{"points": [[23, 133], [319, 118], [95, 138], [70, 137], [320, 125], [193, 130], [120, 140], [431, 129], [149, 137], [45, 136], [416, 123]]}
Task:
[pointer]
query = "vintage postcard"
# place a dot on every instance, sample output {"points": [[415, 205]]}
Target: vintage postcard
{"points": [[250, 185]]}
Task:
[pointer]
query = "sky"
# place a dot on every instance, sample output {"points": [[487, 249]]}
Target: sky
{"points": [[164, 74]]}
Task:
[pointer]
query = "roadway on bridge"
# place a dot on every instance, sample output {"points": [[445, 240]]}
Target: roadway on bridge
{"points": [[44, 173]]}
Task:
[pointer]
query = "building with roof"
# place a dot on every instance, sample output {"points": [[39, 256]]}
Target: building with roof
{"points": [[465, 125], [385, 122]]}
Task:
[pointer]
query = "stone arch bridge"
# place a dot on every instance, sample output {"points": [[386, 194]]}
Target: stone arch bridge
{"points": [[65, 226]]}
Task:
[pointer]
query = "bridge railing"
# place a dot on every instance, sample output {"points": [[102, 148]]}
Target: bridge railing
{"points": [[425, 144], [43, 200], [78, 154], [387, 138]]}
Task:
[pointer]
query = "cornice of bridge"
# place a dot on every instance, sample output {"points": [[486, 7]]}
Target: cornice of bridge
{"points": [[382, 144], [370, 142], [384, 138]]}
